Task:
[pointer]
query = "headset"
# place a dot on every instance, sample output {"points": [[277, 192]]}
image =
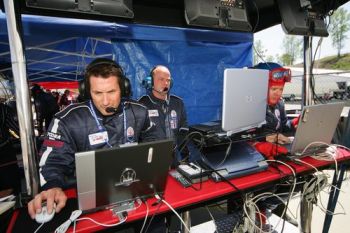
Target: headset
{"points": [[94, 66], [148, 82]]}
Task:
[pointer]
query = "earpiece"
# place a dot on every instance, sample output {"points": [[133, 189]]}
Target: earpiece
{"points": [[96, 66]]}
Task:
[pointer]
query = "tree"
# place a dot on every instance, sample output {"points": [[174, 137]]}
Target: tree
{"points": [[338, 28], [286, 59], [270, 58], [259, 52], [292, 49]]}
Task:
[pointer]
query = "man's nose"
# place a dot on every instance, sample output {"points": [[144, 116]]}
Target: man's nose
{"points": [[105, 100]]}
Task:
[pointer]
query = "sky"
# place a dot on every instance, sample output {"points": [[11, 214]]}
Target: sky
{"points": [[272, 39]]}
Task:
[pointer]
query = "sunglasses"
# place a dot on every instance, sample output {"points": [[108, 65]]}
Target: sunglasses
{"points": [[281, 74]]}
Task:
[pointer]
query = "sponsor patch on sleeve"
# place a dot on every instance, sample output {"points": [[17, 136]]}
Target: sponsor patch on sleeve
{"points": [[53, 143]]}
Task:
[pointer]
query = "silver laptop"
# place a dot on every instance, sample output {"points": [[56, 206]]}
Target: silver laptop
{"points": [[116, 175], [317, 124], [244, 99]]}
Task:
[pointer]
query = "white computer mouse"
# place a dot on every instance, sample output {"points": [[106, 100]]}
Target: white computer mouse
{"points": [[44, 216]]}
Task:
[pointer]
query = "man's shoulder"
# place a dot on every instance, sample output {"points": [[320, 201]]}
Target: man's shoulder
{"points": [[144, 99], [175, 97], [135, 104], [74, 110]]}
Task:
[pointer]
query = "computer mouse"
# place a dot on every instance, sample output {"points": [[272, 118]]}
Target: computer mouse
{"points": [[44, 216]]}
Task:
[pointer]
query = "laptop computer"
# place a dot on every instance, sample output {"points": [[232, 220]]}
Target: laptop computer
{"points": [[317, 124], [244, 102], [115, 175], [242, 160]]}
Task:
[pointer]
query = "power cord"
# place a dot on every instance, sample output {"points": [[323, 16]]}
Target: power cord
{"points": [[174, 211], [37, 229], [64, 226]]}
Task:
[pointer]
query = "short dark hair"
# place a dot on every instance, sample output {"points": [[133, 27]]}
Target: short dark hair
{"points": [[103, 67]]}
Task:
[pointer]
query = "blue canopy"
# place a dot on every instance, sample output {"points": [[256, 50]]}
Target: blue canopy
{"points": [[58, 49]]}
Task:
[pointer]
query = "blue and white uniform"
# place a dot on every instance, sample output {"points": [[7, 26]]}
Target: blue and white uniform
{"points": [[81, 127]]}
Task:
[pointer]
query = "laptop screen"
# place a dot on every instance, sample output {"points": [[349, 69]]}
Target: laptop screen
{"points": [[115, 175], [244, 99], [317, 124]]}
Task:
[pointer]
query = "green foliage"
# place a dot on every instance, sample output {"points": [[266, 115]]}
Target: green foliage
{"points": [[334, 62], [286, 59], [293, 47], [339, 26]]}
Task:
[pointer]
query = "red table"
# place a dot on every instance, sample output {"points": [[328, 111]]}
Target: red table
{"points": [[180, 197]]}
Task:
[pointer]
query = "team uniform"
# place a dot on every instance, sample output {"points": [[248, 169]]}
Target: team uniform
{"points": [[276, 118], [169, 116], [81, 127]]}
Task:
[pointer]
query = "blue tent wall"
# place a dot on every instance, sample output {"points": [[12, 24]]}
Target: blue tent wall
{"points": [[195, 58]]}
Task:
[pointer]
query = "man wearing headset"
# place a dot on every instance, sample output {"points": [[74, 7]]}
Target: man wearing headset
{"points": [[104, 120], [166, 111], [276, 117]]}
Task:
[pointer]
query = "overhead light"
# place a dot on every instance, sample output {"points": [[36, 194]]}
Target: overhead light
{"points": [[118, 8], [301, 18], [221, 14]]}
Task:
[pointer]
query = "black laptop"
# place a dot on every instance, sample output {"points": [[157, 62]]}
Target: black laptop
{"points": [[241, 160], [110, 176]]}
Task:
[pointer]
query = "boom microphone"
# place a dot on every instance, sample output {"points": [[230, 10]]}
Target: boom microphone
{"points": [[111, 110], [119, 109], [165, 90]]}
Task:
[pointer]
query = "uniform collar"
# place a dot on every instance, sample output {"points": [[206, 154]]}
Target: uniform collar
{"points": [[157, 100]]}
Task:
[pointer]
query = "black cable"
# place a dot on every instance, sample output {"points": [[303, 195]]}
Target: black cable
{"points": [[223, 178]]}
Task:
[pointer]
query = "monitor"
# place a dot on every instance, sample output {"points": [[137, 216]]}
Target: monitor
{"points": [[244, 99]]}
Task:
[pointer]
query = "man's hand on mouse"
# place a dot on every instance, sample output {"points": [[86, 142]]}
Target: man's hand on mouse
{"points": [[50, 196]]}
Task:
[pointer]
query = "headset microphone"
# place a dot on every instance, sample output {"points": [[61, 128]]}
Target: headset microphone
{"points": [[118, 109], [111, 110]]}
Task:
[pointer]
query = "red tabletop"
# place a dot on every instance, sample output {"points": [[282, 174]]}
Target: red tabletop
{"points": [[178, 196]]}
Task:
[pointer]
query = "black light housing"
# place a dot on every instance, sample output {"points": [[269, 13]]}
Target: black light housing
{"points": [[301, 17], [117, 8], [221, 14]]}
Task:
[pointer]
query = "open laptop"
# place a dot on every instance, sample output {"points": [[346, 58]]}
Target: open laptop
{"points": [[244, 102], [317, 124], [242, 160], [115, 175]]}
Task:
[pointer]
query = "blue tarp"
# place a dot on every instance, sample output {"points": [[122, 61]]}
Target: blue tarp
{"points": [[196, 57]]}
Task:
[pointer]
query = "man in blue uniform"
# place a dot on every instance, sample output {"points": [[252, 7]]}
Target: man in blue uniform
{"points": [[166, 111], [104, 120], [276, 118]]}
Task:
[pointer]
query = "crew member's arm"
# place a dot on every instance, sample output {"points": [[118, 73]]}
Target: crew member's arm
{"points": [[57, 162], [148, 132]]}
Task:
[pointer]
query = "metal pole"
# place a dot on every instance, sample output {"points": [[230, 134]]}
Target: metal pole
{"points": [[306, 208], [187, 219], [22, 100], [307, 95]]}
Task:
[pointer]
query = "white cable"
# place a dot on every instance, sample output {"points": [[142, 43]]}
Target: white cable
{"points": [[212, 217], [144, 222], [174, 211], [102, 224], [37, 229], [64, 226]]}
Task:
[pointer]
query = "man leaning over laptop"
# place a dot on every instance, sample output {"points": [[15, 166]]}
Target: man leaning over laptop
{"points": [[106, 119]]}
